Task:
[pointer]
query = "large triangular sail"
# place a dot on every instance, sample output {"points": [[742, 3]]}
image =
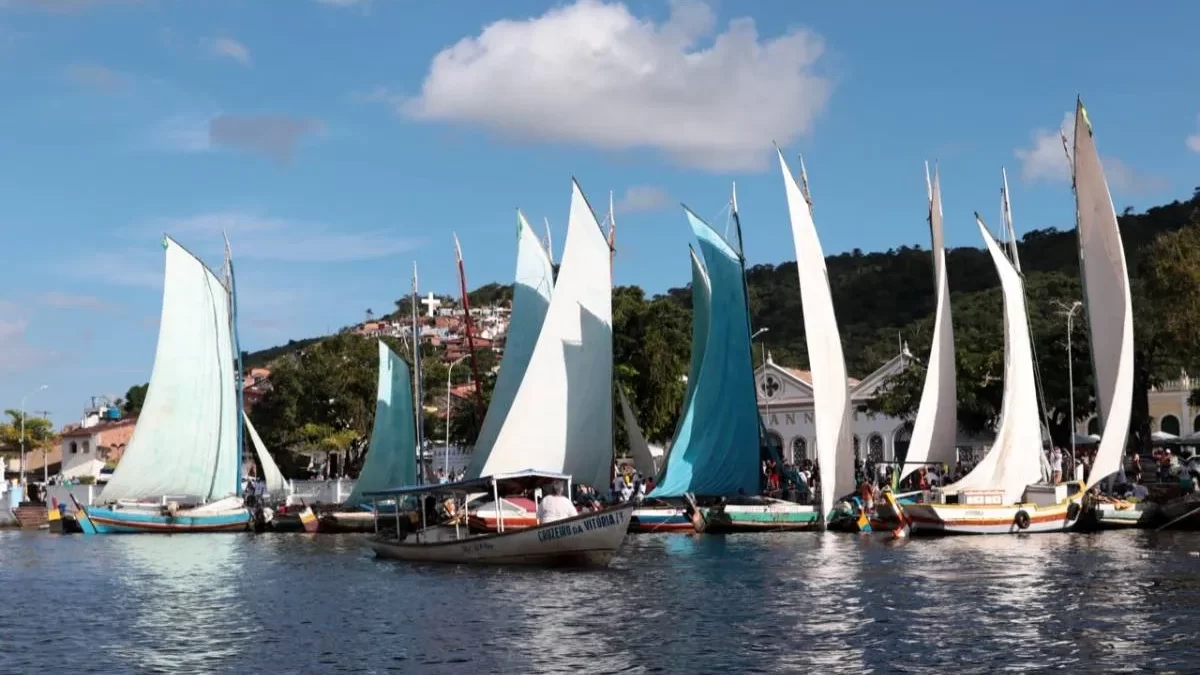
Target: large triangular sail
{"points": [[272, 476], [936, 428], [1106, 298], [715, 451], [185, 444], [561, 417], [831, 393], [392, 454], [532, 290], [1015, 460]]}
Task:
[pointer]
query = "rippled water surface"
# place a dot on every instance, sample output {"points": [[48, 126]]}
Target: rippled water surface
{"points": [[782, 603]]}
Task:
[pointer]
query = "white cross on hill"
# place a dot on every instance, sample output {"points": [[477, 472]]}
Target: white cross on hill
{"points": [[431, 304]]}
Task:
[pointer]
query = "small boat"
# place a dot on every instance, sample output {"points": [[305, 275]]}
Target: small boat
{"points": [[754, 514], [1182, 513], [1107, 513], [391, 456], [589, 539], [182, 469], [518, 513], [662, 518]]}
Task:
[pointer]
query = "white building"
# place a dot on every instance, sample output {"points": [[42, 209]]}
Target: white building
{"points": [[785, 400]]}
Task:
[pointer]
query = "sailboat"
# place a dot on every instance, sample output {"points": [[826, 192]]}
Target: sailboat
{"points": [[533, 287], [274, 487], [558, 428], [716, 457], [935, 429], [663, 516], [182, 469], [392, 453], [831, 394]]}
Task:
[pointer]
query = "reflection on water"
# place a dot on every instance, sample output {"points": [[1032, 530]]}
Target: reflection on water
{"points": [[779, 603]]}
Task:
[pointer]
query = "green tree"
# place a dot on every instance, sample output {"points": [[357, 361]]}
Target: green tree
{"points": [[131, 405]]}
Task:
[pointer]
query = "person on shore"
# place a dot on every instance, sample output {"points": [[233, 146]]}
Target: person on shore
{"points": [[555, 506]]}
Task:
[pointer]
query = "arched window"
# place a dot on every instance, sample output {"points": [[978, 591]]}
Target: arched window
{"points": [[74, 448], [1170, 424], [875, 448], [857, 449], [1094, 425], [799, 450], [774, 440]]}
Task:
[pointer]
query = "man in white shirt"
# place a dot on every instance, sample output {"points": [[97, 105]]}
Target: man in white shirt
{"points": [[555, 506]]}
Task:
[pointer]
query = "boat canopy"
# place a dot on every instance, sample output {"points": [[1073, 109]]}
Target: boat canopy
{"points": [[506, 483]]}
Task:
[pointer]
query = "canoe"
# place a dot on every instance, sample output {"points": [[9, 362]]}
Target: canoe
{"points": [[226, 515]]}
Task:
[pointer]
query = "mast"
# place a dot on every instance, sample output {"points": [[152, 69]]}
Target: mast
{"points": [[612, 233], [1006, 222], [418, 408], [231, 288], [549, 242], [737, 228], [462, 282]]}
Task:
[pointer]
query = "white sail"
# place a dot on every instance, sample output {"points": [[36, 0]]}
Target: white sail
{"points": [[561, 417], [185, 443], [638, 447], [1015, 460], [1107, 300], [531, 300], [831, 393], [272, 476], [936, 428]]}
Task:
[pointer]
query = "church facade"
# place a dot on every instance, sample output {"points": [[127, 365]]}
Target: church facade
{"points": [[785, 400]]}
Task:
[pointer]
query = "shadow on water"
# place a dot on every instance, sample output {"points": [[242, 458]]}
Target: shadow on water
{"points": [[778, 603]]}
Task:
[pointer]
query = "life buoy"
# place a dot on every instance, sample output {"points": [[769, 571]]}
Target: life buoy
{"points": [[1022, 519], [1073, 511]]}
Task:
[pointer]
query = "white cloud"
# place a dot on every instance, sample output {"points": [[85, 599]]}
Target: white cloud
{"points": [[273, 136], [643, 198], [1046, 160], [594, 74], [72, 301], [1193, 141], [282, 240], [231, 49], [98, 78]]}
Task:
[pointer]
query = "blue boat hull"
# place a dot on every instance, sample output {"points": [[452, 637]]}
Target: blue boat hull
{"points": [[106, 520], [660, 519]]}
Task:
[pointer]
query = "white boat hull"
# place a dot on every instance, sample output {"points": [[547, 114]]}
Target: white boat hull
{"points": [[587, 540], [933, 518]]}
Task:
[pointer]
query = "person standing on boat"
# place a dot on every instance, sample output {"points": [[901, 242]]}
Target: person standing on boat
{"points": [[555, 506], [1056, 464]]}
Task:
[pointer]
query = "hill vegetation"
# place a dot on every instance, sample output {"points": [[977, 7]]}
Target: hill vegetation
{"points": [[881, 299]]}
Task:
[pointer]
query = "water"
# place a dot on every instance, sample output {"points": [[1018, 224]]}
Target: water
{"points": [[784, 603]]}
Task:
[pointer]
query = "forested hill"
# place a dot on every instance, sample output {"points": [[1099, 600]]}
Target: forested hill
{"points": [[880, 297]]}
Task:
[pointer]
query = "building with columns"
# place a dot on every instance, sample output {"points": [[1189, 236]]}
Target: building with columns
{"points": [[785, 400]]}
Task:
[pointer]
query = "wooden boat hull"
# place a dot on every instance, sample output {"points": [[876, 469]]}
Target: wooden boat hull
{"points": [[772, 517], [587, 540], [346, 522], [1118, 516], [647, 519], [934, 518], [220, 516]]}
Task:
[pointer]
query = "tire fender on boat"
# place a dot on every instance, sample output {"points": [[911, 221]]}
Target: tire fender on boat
{"points": [[1073, 510], [1022, 519]]}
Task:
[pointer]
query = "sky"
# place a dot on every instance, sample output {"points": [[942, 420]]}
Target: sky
{"points": [[340, 141]]}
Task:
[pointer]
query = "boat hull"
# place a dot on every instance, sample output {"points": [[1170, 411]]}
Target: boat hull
{"points": [[771, 517], [648, 519], [1118, 516], [220, 516], [933, 518], [346, 521], [588, 540]]}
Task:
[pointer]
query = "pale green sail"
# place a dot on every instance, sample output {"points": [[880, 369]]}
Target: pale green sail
{"points": [[272, 476], [185, 443], [392, 455]]}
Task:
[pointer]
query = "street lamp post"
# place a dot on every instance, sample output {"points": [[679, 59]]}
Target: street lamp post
{"points": [[449, 371], [754, 335], [23, 398], [1070, 311]]}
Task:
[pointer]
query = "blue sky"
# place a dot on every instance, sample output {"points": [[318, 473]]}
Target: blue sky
{"points": [[339, 140]]}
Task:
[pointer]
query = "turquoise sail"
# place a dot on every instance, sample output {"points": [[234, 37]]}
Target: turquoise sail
{"points": [[701, 309], [392, 455], [532, 288], [715, 452], [185, 445]]}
